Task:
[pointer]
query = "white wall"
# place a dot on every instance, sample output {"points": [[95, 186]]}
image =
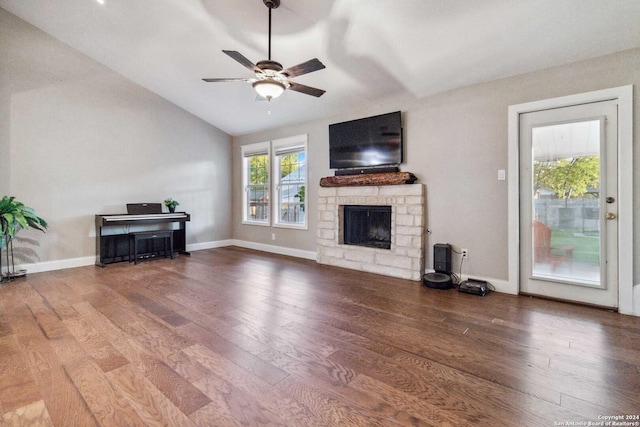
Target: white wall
{"points": [[455, 143], [77, 140]]}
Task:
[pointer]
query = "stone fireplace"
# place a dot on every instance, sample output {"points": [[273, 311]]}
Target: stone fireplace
{"points": [[402, 256]]}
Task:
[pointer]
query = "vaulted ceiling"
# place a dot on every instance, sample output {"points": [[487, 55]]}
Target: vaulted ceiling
{"points": [[375, 51]]}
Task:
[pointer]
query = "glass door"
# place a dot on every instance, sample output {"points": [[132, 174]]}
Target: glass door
{"points": [[568, 198]]}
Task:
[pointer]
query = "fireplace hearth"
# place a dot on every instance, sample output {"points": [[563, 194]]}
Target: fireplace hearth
{"points": [[368, 226]]}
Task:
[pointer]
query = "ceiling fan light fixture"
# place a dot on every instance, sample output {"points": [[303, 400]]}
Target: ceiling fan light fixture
{"points": [[270, 79], [269, 88]]}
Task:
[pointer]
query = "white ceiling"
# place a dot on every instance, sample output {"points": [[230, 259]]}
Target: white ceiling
{"points": [[375, 51]]}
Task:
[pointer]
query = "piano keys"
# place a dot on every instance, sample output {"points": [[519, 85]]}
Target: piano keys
{"points": [[112, 244]]}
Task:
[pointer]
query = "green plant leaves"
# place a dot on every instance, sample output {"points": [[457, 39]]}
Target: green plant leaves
{"points": [[171, 203], [15, 215], [568, 178]]}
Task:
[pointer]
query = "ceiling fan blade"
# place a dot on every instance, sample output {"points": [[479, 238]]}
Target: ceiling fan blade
{"points": [[304, 68], [243, 60], [238, 79], [307, 90]]}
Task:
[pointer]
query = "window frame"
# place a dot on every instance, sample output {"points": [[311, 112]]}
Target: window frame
{"points": [[249, 151], [285, 146]]}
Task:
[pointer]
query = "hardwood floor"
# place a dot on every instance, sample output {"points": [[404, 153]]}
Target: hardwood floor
{"points": [[232, 337]]}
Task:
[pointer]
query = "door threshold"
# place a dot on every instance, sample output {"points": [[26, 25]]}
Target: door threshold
{"points": [[566, 301]]}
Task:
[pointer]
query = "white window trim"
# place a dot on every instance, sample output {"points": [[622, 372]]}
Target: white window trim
{"points": [[282, 144], [247, 151]]}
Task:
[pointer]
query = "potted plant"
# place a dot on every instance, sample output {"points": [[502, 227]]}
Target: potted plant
{"points": [[171, 204], [15, 215]]}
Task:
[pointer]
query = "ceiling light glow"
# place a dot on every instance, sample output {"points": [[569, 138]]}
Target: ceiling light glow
{"points": [[269, 88]]}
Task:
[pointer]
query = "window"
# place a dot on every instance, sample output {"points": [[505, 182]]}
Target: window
{"points": [[290, 176], [289, 159], [255, 171]]}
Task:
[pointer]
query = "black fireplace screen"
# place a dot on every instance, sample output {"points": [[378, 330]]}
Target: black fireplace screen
{"points": [[368, 226]]}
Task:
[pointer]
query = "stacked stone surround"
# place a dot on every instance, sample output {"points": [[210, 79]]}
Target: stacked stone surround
{"points": [[405, 259]]}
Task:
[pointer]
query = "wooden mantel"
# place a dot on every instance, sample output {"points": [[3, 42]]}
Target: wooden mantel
{"points": [[391, 178]]}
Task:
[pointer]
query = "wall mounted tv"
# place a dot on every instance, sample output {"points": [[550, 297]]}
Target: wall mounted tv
{"points": [[366, 143]]}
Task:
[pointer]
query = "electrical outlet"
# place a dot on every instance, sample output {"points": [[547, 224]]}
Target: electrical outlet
{"points": [[464, 253], [273, 236]]}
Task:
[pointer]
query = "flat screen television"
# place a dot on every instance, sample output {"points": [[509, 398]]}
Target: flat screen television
{"points": [[366, 143]]}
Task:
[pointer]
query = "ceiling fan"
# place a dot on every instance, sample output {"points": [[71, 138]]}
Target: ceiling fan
{"points": [[271, 80]]}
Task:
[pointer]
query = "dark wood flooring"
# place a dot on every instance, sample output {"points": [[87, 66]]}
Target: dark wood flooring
{"points": [[231, 337]]}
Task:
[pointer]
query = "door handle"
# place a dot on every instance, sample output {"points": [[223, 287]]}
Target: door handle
{"points": [[610, 215]]}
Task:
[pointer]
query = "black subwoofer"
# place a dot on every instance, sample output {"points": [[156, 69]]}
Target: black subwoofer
{"points": [[442, 258]]}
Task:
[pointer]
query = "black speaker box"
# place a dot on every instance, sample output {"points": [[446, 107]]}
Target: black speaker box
{"points": [[442, 258]]}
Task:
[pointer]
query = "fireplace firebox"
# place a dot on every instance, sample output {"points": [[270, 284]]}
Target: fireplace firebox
{"points": [[368, 226]]}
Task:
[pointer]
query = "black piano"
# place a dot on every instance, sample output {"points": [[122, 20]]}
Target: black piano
{"points": [[113, 245]]}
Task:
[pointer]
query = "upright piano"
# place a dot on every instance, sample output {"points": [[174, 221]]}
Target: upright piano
{"points": [[112, 245]]}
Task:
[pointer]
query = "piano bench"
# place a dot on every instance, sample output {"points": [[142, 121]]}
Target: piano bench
{"points": [[136, 237]]}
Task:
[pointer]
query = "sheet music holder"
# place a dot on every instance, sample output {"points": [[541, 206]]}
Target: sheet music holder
{"points": [[144, 208]]}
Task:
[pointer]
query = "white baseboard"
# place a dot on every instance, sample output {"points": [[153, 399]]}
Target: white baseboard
{"points": [[209, 245], [61, 264], [40, 267], [280, 250]]}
